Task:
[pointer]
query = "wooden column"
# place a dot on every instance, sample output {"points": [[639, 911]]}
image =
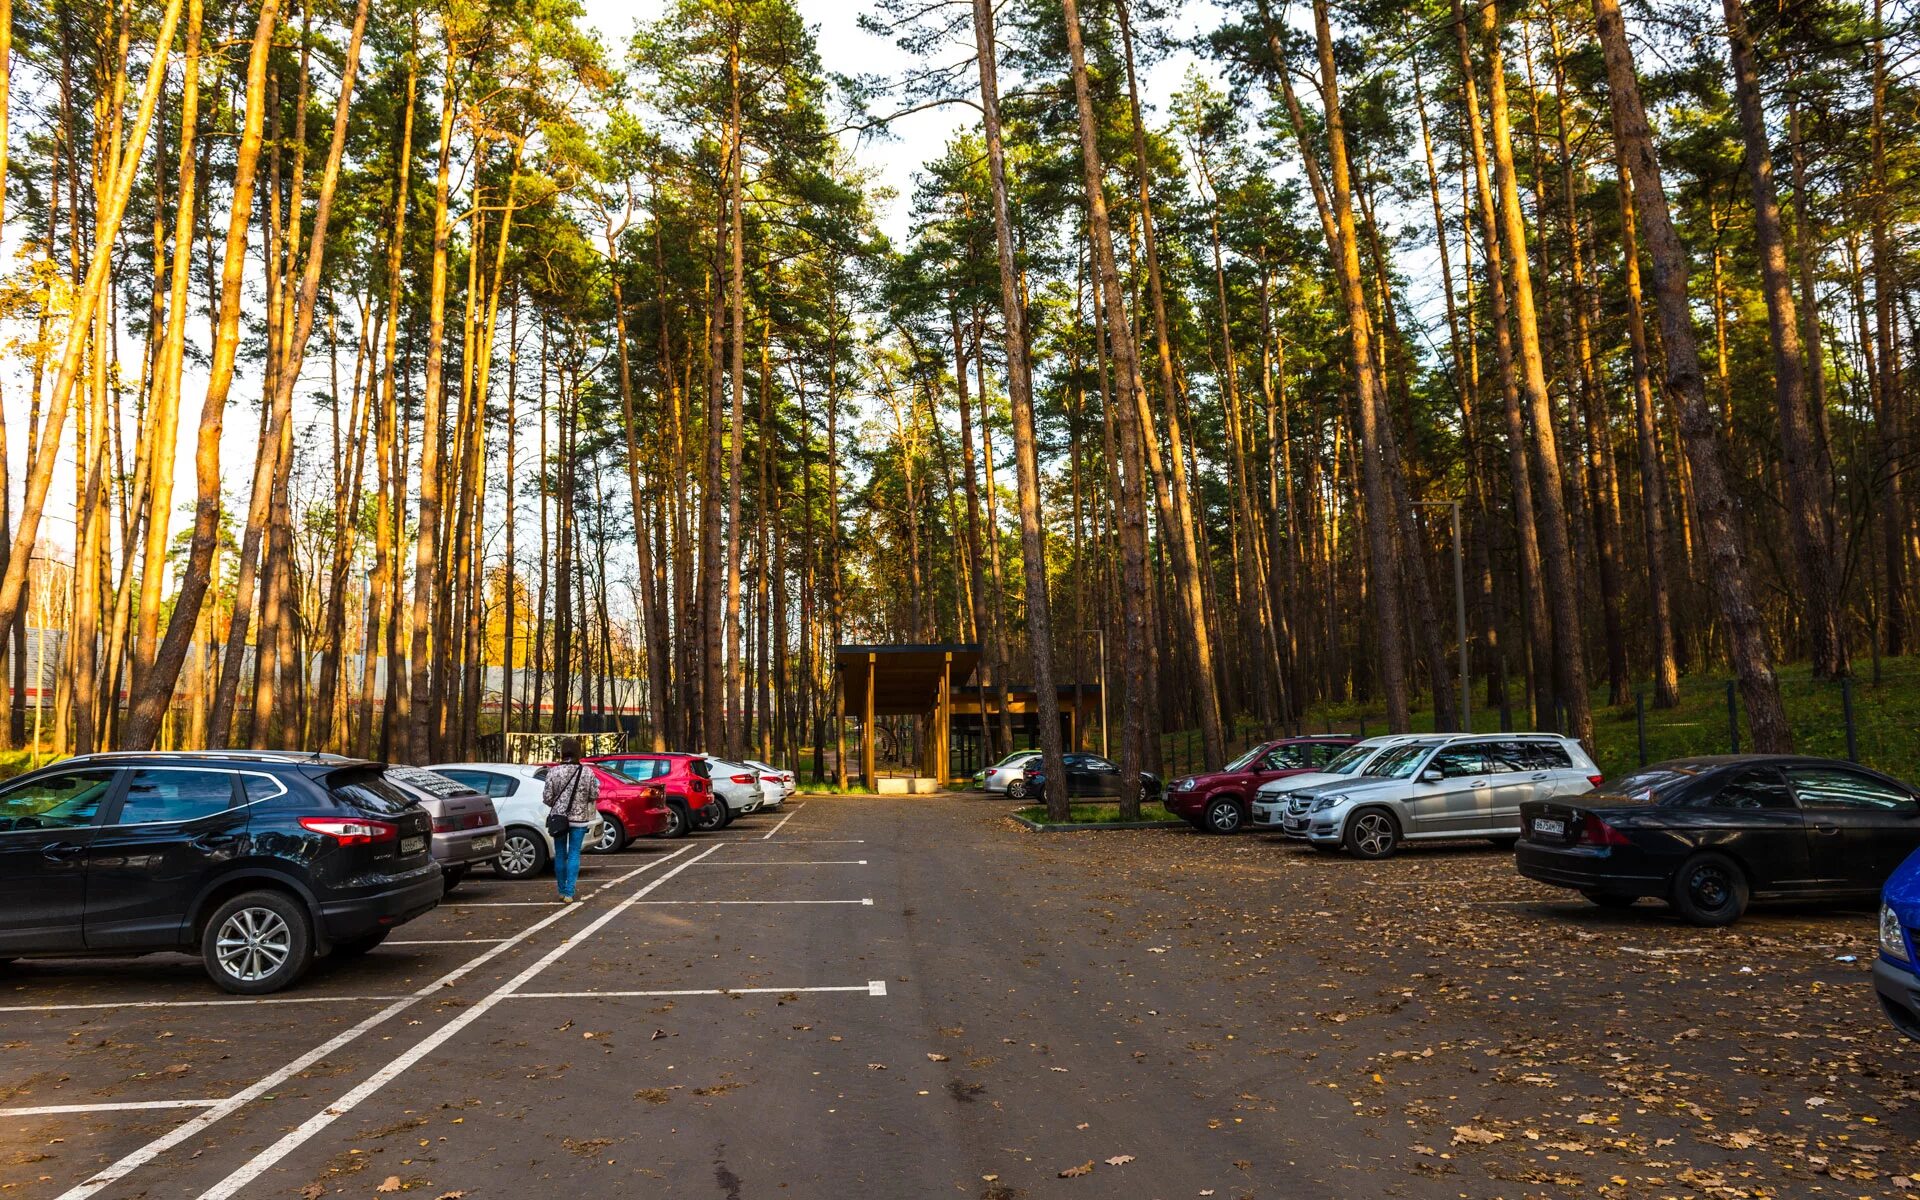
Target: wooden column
{"points": [[867, 747], [944, 719], [840, 727]]}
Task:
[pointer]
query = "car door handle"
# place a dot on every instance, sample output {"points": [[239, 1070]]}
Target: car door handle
{"points": [[215, 841], [1478, 783], [1827, 830], [59, 851], [1539, 775]]}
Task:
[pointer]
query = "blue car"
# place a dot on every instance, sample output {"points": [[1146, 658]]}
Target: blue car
{"points": [[1894, 974]]}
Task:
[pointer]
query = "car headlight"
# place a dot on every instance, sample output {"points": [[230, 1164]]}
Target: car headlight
{"points": [[1893, 939], [1185, 785], [1326, 802]]}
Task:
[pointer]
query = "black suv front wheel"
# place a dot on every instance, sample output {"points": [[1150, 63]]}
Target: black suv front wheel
{"points": [[257, 942]]}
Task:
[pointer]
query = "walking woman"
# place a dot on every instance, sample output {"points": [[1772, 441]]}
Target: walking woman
{"points": [[572, 797]]}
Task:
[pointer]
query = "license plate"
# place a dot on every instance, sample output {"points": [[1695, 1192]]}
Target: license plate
{"points": [[412, 845], [1546, 825], [483, 843]]}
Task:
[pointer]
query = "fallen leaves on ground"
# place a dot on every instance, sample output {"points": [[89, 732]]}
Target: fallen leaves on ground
{"points": [[1085, 1168], [1120, 1160]]}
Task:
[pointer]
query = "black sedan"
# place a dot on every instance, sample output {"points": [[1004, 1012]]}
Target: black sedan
{"points": [[1708, 835], [1087, 775]]}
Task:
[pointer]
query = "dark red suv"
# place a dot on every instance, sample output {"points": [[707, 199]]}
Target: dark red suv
{"points": [[684, 778], [1222, 801]]}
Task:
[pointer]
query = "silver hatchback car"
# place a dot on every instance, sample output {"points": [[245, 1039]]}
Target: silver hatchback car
{"points": [[1443, 786]]}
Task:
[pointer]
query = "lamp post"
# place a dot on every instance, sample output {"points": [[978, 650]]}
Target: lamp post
{"points": [[1459, 609], [1101, 636]]}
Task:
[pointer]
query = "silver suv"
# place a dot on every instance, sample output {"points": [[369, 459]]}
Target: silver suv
{"points": [[1442, 786]]}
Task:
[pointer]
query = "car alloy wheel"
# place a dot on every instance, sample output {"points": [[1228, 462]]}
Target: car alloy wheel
{"points": [[677, 820], [257, 942], [253, 943], [1017, 790], [1372, 834], [520, 855], [612, 839], [1223, 816]]}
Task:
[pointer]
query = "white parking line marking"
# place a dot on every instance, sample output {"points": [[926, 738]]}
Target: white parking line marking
{"points": [[195, 1003], [500, 904], [264, 1160], [768, 835], [873, 987], [793, 862], [442, 942], [50, 1110], [868, 902], [793, 841], [235, 1102]]}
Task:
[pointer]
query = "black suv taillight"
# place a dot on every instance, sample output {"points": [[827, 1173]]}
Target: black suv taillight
{"points": [[351, 831]]}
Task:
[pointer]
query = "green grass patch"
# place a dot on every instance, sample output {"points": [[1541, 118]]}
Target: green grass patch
{"points": [[17, 762], [1092, 814]]}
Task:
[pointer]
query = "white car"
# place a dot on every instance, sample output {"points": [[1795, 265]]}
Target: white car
{"points": [[788, 781], [526, 849], [736, 783], [1462, 785], [1005, 774], [1270, 801], [773, 788]]}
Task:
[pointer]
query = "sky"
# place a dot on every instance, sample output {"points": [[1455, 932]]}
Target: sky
{"points": [[849, 49]]}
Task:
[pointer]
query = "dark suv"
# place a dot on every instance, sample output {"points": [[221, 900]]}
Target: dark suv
{"points": [[1222, 801], [257, 861]]}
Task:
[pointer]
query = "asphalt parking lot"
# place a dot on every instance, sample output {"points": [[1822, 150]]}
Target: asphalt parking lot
{"points": [[911, 997]]}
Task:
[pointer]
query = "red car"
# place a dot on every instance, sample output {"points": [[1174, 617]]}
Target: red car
{"points": [[1222, 801], [683, 780], [628, 810]]}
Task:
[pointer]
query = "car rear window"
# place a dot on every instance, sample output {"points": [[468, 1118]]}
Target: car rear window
{"points": [[699, 767], [433, 783], [366, 789], [1546, 756], [1657, 785]]}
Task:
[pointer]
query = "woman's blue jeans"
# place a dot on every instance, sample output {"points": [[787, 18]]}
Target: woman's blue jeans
{"points": [[566, 858]]}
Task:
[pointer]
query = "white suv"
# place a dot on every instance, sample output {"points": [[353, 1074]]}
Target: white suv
{"points": [[1270, 801], [1463, 785]]}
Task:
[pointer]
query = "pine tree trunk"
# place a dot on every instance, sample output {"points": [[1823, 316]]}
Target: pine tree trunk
{"points": [[112, 209], [1020, 389], [1809, 490], [1653, 476], [416, 745], [154, 691], [1723, 539], [1555, 552]]}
